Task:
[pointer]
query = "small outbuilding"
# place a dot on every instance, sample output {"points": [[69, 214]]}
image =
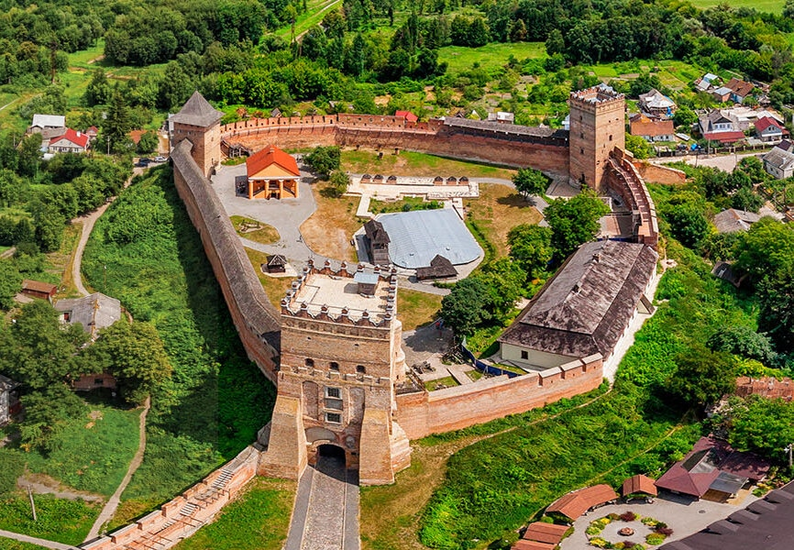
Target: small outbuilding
{"points": [[272, 174], [576, 503], [276, 263], [38, 289], [733, 220], [377, 241], [639, 485], [440, 268]]}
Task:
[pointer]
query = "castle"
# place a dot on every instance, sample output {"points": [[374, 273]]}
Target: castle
{"points": [[333, 349]]}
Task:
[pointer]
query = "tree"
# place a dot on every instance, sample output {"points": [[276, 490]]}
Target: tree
{"points": [[338, 182], [529, 181], [574, 222], [744, 341], [118, 122], [685, 117], [134, 355], [29, 155], [504, 281], [702, 376], [638, 146], [776, 294], [463, 309], [324, 160], [766, 247], [687, 224], [98, 90], [530, 248], [148, 143], [765, 426], [746, 199], [10, 283]]}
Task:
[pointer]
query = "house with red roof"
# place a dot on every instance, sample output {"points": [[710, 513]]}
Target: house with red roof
{"points": [[272, 174], [770, 130], [69, 142], [722, 126], [407, 115]]}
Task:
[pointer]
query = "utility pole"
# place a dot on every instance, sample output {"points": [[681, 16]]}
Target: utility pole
{"points": [[790, 450], [32, 504]]}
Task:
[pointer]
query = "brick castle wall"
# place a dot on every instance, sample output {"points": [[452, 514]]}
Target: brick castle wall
{"points": [[659, 174], [424, 413]]}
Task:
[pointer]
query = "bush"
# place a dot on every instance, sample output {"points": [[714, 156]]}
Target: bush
{"points": [[628, 516], [663, 529], [655, 539]]}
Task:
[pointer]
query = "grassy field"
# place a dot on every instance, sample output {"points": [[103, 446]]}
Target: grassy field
{"points": [[275, 287], [416, 309], [402, 205], [773, 6], [330, 228], [217, 399], [66, 521], [316, 10], [408, 163], [10, 544], [461, 59], [499, 209], [257, 520], [266, 234]]}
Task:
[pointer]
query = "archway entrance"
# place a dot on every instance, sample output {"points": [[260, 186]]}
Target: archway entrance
{"points": [[331, 451], [331, 461]]}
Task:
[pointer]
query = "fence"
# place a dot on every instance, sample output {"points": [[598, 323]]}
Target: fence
{"points": [[487, 369]]}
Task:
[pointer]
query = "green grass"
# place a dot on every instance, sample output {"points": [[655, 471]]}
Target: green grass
{"points": [[266, 234], [313, 16], [217, 399], [403, 205], [416, 309], [81, 59], [773, 6], [447, 381], [91, 455], [10, 544], [66, 521], [257, 520], [408, 163], [460, 59]]}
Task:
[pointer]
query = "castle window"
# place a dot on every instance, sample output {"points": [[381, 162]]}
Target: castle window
{"points": [[581, 135], [334, 366], [581, 151], [336, 418], [309, 362], [333, 393], [524, 354], [610, 137], [361, 369]]}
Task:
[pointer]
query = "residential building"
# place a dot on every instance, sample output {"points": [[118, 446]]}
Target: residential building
{"points": [[272, 174], [721, 94], [656, 103], [584, 309], [732, 220], [652, 128], [69, 142], [707, 81], [769, 130], [94, 312], [44, 122], [718, 125], [780, 160], [740, 89]]}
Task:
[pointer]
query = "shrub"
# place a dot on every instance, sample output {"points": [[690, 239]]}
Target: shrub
{"points": [[655, 539], [613, 516], [599, 543], [628, 516], [594, 529], [664, 530], [650, 522]]}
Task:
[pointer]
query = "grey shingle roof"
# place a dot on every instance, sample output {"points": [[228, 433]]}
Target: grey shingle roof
{"points": [[95, 311], [731, 220], [197, 112], [586, 306], [780, 157]]}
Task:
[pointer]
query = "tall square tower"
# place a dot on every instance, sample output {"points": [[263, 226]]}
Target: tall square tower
{"points": [[199, 123], [597, 127], [341, 357]]}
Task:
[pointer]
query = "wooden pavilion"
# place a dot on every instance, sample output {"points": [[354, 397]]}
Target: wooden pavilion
{"points": [[272, 174]]}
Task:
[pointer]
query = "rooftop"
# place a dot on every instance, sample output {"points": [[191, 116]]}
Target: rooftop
{"points": [[269, 156], [576, 503], [197, 112], [95, 311], [52, 121], [596, 94]]}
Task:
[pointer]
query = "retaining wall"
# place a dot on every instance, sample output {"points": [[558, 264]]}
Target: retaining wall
{"points": [[659, 174], [257, 321], [424, 413]]}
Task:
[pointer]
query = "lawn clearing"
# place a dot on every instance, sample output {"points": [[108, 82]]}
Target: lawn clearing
{"points": [[275, 287], [773, 6], [256, 231], [66, 521], [256, 520], [416, 309], [499, 209], [408, 163], [460, 58], [330, 228]]}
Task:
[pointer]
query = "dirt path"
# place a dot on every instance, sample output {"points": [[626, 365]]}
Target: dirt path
{"points": [[112, 505], [39, 542], [45, 485]]}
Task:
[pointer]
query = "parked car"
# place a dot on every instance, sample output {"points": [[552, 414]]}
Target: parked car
{"points": [[160, 159]]}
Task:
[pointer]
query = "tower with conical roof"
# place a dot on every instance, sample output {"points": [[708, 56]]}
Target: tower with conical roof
{"points": [[199, 123]]}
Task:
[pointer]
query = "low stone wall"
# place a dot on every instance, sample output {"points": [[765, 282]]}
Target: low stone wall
{"points": [[659, 174], [257, 321], [187, 513], [424, 413]]}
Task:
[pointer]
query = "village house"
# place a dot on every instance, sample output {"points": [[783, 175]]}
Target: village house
{"points": [[740, 89], [747, 116], [732, 220], [68, 142], [9, 400], [584, 309], [652, 128], [46, 122], [656, 103], [272, 174], [769, 130], [94, 312], [717, 125], [721, 94], [780, 160], [502, 117], [705, 82], [38, 289]]}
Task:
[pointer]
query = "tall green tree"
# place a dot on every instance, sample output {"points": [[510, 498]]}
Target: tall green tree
{"points": [[464, 308], [118, 122], [702, 376], [529, 181], [574, 222], [531, 249], [10, 283], [765, 426]]}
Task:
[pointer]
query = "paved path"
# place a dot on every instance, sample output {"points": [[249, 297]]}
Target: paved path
{"points": [[326, 509], [723, 162], [109, 509], [39, 542]]}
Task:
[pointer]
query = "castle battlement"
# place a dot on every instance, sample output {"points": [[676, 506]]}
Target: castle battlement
{"points": [[362, 298], [599, 95], [333, 376]]}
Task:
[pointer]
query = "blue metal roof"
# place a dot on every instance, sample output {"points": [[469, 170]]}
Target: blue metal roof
{"points": [[416, 237]]}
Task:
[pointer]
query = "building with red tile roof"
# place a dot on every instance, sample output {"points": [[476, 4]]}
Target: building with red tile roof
{"points": [[576, 503], [407, 115], [639, 485], [69, 142], [272, 174]]}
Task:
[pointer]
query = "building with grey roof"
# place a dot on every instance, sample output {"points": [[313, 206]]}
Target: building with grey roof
{"points": [[95, 312], [42, 122], [585, 308], [732, 220], [780, 160], [197, 112]]}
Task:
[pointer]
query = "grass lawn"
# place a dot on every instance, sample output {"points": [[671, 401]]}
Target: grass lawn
{"points": [[329, 230], [10, 544], [460, 58], [404, 205], [774, 6], [275, 287], [408, 163], [446, 382], [264, 234], [66, 521], [257, 520], [416, 309], [499, 209]]}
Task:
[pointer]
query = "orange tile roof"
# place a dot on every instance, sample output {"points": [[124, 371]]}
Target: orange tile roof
{"points": [[271, 155], [639, 484], [545, 532], [522, 544], [38, 286], [78, 138], [576, 503]]}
